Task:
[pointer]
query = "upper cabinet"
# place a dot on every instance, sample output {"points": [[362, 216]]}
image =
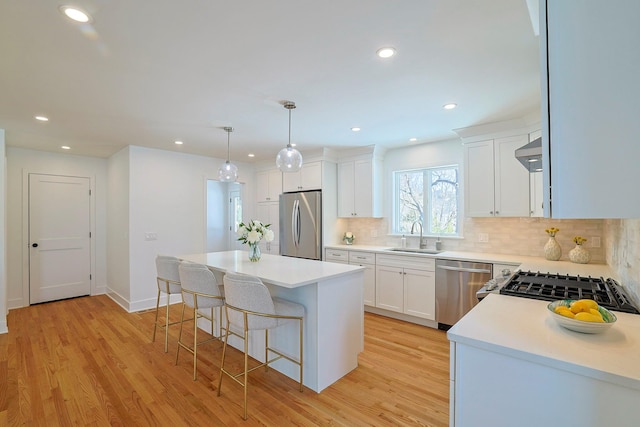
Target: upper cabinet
{"points": [[590, 103], [496, 183], [309, 177], [269, 185], [359, 188]]}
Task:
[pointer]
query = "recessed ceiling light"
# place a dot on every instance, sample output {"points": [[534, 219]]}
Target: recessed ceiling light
{"points": [[532, 160], [449, 106], [413, 139], [251, 155], [386, 52], [75, 14], [41, 118], [66, 147], [355, 129], [538, 170], [178, 142]]}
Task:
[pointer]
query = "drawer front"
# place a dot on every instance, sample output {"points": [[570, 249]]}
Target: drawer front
{"points": [[416, 262], [362, 258], [337, 255]]}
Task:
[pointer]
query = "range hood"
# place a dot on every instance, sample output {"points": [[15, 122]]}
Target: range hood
{"points": [[530, 155]]}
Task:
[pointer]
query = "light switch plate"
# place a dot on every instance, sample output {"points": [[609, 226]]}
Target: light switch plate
{"points": [[150, 236], [483, 237], [595, 242]]}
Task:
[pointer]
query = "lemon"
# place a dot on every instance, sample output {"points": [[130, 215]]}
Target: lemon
{"points": [[564, 311], [595, 312], [589, 317], [579, 307], [589, 303]]}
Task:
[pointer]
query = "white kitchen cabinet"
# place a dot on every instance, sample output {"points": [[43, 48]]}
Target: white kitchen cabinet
{"points": [[390, 288], [336, 255], [268, 185], [309, 177], [269, 213], [358, 189], [368, 261], [590, 65], [406, 285], [496, 183]]}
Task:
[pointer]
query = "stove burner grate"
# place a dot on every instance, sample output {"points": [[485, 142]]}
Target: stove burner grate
{"points": [[550, 287]]}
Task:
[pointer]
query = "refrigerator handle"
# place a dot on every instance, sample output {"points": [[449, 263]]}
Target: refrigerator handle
{"points": [[298, 224], [294, 220]]}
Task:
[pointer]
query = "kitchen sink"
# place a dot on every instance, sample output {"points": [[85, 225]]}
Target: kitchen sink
{"points": [[416, 250]]}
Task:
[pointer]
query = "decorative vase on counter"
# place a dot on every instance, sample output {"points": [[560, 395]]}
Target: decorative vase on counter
{"points": [[254, 252], [552, 249], [579, 254]]}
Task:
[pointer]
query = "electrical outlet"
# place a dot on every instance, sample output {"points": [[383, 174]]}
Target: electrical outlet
{"points": [[595, 242], [483, 237], [374, 233]]}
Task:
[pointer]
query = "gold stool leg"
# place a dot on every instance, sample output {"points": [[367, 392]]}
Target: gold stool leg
{"points": [[195, 340], [155, 324], [224, 353], [166, 327], [300, 355], [180, 334], [246, 367]]}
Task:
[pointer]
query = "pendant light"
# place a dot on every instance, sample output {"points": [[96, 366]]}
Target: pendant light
{"points": [[228, 172], [289, 159]]}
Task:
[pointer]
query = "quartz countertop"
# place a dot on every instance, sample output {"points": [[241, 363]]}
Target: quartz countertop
{"points": [[278, 270], [523, 328], [524, 262]]}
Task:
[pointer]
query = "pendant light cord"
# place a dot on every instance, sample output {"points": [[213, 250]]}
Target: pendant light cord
{"points": [[229, 130]]}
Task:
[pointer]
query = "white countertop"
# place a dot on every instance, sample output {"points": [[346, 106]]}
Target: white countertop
{"points": [[523, 328], [525, 262], [275, 269]]}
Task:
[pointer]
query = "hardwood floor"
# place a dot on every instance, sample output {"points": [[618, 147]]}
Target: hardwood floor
{"points": [[87, 362]]}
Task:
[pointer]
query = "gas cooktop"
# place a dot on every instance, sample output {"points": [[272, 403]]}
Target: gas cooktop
{"points": [[550, 287]]}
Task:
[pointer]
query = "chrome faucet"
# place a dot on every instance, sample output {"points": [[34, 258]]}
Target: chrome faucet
{"points": [[422, 244]]}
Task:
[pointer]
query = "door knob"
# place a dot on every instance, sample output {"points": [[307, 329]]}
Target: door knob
{"points": [[35, 245]]}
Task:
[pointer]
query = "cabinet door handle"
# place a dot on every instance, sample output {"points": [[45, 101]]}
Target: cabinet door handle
{"points": [[490, 212], [497, 213]]}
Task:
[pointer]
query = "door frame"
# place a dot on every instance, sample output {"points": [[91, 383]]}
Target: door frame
{"points": [[205, 195], [25, 230]]}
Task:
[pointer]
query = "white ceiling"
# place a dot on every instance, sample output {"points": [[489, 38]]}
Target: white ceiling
{"points": [[148, 72]]}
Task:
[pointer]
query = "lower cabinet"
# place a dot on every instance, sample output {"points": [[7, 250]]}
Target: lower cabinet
{"points": [[406, 285], [368, 261]]}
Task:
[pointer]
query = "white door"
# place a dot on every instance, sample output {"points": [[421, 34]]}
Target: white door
{"points": [[59, 237], [235, 218]]}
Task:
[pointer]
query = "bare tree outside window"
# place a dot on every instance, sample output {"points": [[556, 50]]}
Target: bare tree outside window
{"points": [[429, 196]]}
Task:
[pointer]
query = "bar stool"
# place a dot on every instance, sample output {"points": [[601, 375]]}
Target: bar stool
{"points": [[200, 290], [168, 280], [250, 307]]}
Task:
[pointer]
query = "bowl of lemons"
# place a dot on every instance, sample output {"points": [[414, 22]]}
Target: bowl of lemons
{"points": [[583, 315]]}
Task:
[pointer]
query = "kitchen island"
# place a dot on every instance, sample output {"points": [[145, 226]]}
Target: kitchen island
{"points": [[334, 311], [511, 364]]}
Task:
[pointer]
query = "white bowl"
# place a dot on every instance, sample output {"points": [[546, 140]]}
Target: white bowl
{"points": [[580, 325]]}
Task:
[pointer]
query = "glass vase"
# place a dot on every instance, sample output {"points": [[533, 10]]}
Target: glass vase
{"points": [[254, 252], [552, 249]]}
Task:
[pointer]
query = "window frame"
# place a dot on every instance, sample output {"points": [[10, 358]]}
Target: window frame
{"points": [[395, 222]]}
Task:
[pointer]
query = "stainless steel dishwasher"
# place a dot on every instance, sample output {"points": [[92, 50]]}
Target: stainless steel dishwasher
{"points": [[456, 285]]}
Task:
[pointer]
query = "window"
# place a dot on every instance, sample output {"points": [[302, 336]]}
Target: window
{"points": [[433, 191]]}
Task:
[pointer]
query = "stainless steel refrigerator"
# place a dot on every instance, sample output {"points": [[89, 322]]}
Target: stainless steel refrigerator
{"points": [[301, 224]]}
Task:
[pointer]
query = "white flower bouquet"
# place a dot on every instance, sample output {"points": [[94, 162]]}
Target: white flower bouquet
{"points": [[254, 231]]}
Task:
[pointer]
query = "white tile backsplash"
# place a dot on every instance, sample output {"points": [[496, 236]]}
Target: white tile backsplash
{"points": [[623, 252], [514, 236]]}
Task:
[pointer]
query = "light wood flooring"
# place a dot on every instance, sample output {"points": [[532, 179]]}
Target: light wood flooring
{"points": [[87, 362]]}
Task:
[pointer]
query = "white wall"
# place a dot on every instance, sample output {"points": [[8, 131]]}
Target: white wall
{"points": [[3, 226], [21, 160], [167, 197], [118, 227]]}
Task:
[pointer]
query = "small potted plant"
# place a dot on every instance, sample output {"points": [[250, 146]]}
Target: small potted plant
{"points": [[348, 238]]}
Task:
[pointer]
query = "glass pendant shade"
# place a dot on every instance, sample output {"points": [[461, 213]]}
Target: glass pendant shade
{"points": [[228, 172], [289, 159]]}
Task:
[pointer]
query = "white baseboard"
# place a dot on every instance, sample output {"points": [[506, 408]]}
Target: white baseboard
{"points": [[4, 329], [141, 305], [402, 316]]}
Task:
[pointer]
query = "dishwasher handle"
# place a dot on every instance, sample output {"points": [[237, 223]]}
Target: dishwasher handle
{"points": [[464, 270]]}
